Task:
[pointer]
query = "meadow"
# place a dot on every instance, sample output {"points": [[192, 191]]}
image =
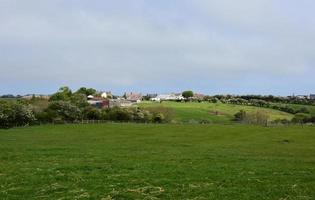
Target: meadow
{"points": [[213, 112], [151, 161]]}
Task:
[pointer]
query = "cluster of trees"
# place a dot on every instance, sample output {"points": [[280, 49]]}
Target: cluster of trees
{"points": [[262, 118], [301, 118], [268, 98], [62, 111], [66, 106], [258, 117], [15, 113], [260, 103]]}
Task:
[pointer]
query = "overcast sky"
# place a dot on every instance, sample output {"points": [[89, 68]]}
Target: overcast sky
{"points": [[209, 46]]}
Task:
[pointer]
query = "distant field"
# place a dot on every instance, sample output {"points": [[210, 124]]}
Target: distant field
{"points": [[214, 112], [297, 106], [139, 161]]}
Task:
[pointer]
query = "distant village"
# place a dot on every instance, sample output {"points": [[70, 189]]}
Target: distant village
{"points": [[108, 100]]}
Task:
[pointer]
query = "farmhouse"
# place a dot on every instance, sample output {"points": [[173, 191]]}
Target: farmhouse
{"points": [[198, 96], [133, 97], [106, 95], [165, 97], [30, 96], [120, 103], [99, 103]]}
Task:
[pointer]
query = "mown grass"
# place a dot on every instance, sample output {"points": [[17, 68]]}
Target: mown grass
{"points": [[141, 161], [213, 112]]}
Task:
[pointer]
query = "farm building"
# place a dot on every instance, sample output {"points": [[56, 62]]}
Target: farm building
{"points": [[99, 103], [165, 97], [120, 103], [132, 96], [106, 95]]}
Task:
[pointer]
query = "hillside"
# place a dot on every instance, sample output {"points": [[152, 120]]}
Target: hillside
{"points": [[214, 112]]}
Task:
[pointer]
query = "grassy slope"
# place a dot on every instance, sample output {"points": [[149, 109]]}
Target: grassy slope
{"points": [[138, 161], [297, 106], [199, 111]]}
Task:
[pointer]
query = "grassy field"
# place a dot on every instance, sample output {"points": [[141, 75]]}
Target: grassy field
{"points": [[297, 106], [184, 112], [141, 161]]}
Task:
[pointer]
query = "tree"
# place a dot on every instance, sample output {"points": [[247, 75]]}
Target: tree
{"points": [[63, 94], [187, 94], [301, 118], [86, 91], [158, 118], [15, 114], [64, 111], [240, 116]]}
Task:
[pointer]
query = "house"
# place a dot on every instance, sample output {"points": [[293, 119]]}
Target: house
{"points": [[149, 96], [166, 97], [106, 95], [199, 96], [120, 103], [90, 97], [133, 97], [312, 96], [40, 96], [99, 103], [301, 96]]}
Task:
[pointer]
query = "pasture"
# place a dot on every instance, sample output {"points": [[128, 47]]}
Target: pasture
{"points": [[147, 161], [213, 112]]}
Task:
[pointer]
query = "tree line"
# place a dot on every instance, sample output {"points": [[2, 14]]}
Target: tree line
{"points": [[66, 106]]}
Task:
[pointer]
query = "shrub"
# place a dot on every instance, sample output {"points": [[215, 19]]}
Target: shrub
{"points": [[240, 116], [15, 114], [301, 118], [158, 118], [63, 110], [168, 113], [188, 94], [92, 113]]}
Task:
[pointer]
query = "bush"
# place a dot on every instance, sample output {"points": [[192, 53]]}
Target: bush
{"points": [[15, 114], [119, 114], [64, 111], [258, 117], [168, 113], [240, 116], [301, 118], [158, 118], [92, 113]]}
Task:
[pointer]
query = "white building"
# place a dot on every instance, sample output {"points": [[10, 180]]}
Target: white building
{"points": [[165, 97]]}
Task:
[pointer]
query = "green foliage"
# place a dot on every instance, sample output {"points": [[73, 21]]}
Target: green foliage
{"points": [[92, 113], [63, 111], [15, 114], [158, 118], [166, 112], [86, 91], [63, 94], [258, 117], [187, 94], [79, 100], [240, 116], [301, 118]]}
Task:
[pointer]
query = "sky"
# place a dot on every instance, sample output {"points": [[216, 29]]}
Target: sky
{"points": [[149, 46]]}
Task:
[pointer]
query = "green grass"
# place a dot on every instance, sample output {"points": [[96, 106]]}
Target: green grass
{"points": [[206, 111], [298, 106], [141, 161]]}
